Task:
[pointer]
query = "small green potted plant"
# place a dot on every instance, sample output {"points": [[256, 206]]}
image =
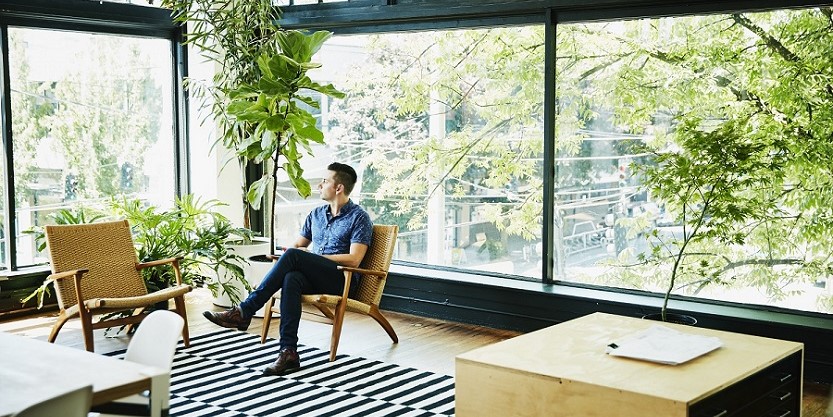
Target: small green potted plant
{"points": [[191, 229], [704, 182]]}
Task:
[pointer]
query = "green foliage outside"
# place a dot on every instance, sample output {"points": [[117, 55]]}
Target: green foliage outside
{"points": [[101, 122], [738, 109], [743, 162], [490, 81]]}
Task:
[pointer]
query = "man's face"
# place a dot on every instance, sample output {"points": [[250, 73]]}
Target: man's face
{"points": [[328, 187]]}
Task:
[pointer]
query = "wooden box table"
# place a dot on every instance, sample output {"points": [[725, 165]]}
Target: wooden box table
{"points": [[563, 370]]}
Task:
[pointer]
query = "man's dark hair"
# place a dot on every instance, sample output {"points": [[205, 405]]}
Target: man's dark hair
{"points": [[345, 175]]}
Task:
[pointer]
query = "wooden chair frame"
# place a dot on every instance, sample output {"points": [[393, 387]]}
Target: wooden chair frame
{"points": [[374, 271]]}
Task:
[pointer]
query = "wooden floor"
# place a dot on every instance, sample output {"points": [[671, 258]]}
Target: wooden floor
{"points": [[423, 343]]}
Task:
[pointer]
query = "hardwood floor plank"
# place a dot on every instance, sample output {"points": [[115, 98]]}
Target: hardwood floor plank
{"points": [[424, 343]]}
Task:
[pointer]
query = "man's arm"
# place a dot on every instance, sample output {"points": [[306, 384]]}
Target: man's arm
{"points": [[302, 242], [353, 259]]}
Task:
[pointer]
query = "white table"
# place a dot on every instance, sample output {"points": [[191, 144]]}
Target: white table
{"points": [[32, 371]]}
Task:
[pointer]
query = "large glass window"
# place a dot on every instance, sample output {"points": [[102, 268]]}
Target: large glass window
{"points": [[92, 118], [446, 129], [698, 149]]}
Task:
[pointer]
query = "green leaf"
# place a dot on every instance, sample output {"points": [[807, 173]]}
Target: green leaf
{"points": [[328, 89], [275, 123], [316, 40], [275, 87], [257, 190], [309, 101], [295, 172]]}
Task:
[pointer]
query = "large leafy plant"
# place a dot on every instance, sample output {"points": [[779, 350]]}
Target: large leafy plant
{"points": [[274, 105], [232, 34], [191, 229]]}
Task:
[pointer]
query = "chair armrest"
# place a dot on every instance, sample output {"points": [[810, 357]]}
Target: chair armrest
{"points": [[362, 271], [157, 262], [66, 274], [173, 261], [76, 275]]}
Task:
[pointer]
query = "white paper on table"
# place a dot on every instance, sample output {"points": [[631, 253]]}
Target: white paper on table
{"points": [[664, 345]]}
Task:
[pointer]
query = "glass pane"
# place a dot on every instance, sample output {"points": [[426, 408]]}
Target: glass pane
{"points": [[693, 154], [3, 242], [445, 128], [92, 118]]}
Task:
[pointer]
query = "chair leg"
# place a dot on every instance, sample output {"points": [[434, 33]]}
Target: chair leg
{"points": [[338, 322], [62, 319], [87, 329], [179, 303], [376, 314], [267, 319]]}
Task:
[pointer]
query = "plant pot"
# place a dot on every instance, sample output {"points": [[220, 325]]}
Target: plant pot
{"points": [[672, 318], [251, 273], [222, 299]]}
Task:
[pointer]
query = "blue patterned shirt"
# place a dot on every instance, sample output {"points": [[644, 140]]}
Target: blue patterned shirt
{"points": [[333, 235]]}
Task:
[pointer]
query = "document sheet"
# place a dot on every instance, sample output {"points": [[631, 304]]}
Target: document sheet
{"points": [[663, 345]]}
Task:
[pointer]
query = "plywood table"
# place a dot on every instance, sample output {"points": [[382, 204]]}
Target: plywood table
{"points": [[32, 371], [563, 371]]}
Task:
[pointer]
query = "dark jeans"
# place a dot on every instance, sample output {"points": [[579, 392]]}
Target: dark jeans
{"points": [[295, 273]]}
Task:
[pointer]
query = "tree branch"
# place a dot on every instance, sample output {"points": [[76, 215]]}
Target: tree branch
{"points": [[828, 11], [768, 39]]}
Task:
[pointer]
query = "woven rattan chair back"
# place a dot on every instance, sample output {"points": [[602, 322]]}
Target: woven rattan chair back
{"points": [[106, 249], [377, 258]]}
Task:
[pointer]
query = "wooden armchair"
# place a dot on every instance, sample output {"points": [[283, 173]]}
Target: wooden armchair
{"points": [[374, 272], [96, 264]]}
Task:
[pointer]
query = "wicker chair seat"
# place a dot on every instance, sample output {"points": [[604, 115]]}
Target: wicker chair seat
{"points": [[127, 303], [331, 300]]}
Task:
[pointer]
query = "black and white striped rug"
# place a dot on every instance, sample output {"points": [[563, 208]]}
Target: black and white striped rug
{"points": [[220, 375]]}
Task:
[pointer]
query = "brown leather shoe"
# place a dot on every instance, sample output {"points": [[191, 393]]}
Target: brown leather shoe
{"points": [[287, 362], [231, 318]]}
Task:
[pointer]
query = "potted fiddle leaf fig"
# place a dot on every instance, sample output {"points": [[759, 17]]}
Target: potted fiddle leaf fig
{"points": [[274, 106], [230, 34]]}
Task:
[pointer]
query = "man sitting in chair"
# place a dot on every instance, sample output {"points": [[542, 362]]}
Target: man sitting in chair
{"points": [[340, 233]]}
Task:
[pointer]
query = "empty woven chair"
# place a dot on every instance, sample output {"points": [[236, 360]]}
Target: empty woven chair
{"points": [[96, 264], [374, 273]]}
